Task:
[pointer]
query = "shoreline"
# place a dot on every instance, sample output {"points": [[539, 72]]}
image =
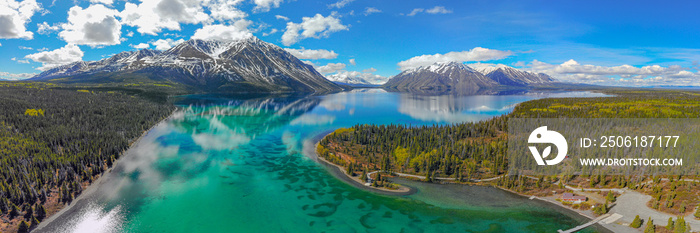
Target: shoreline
{"points": [[339, 172], [94, 186]]}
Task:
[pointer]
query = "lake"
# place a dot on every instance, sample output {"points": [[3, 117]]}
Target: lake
{"points": [[236, 164]]}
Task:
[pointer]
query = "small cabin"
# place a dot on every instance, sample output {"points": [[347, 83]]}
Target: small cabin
{"points": [[570, 197]]}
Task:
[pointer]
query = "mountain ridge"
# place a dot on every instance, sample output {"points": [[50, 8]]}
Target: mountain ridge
{"points": [[246, 65], [455, 77]]}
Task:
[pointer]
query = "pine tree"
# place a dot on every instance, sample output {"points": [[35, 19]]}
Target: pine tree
{"points": [[23, 227], [669, 225], [611, 197], [679, 227], [697, 212], [40, 212], [636, 223], [34, 224], [650, 228]]}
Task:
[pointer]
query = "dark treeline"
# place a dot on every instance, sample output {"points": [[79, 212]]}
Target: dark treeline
{"points": [[53, 141]]}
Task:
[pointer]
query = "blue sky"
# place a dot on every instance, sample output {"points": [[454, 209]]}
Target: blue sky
{"points": [[629, 43]]}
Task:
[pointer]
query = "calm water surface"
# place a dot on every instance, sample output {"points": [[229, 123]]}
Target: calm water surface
{"points": [[236, 164]]}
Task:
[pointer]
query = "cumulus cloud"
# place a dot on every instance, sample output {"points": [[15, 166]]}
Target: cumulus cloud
{"points": [[371, 10], [313, 54], [140, 46], [330, 68], [237, 31], [434, 10], [340, 4], [152, 16], [272, 31], [573, 71], [95, 25], [312, 27], [352, 61], [358, 77], [49, 59], [475, 54], [165, 44], [225, 10], [45, 29], [14, 16], [266, 5], [13, 76]]}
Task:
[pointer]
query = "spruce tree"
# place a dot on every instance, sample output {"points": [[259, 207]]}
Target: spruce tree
{"points": [[669, 225], [650, 228], [636, 223], [23, 227]]}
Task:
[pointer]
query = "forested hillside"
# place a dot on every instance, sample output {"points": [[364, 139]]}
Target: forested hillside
{"points": [[55, 141], [478, 150]]}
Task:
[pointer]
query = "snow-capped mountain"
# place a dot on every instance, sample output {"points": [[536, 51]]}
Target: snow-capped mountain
{"points": [[440, 77], [246, 65], [357, 78], [509, 76], [458, 77]]}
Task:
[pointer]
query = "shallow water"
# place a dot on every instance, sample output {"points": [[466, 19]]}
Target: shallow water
{"points": [[236, 164]]}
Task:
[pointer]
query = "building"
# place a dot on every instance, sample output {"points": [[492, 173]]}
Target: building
{"points": [[570, 197]]}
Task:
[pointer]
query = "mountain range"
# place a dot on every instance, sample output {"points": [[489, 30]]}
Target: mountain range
{"points": [[454, 77], [246, 65], [252, 65]]}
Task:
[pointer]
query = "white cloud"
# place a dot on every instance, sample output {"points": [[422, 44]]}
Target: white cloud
{"points": [[14, 16], [315, 27], [23, 61], [225, 10], [357, 77], [626, 75], [370, 70], [151, 16], [434, 10], [285, 18], [140, 46], [476, 54], [95, 25], [340, 4], [237, 31], [165, 44], [266, 5], [352, 61], [371, 10], [13, 76], [45, 29], [106, 2], [415, 11], [68, 54], [330, 68], [272, 31], [438, 10], [313, 54]]}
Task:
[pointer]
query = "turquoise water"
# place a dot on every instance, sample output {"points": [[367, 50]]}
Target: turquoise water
{"points": [[237, 164]]}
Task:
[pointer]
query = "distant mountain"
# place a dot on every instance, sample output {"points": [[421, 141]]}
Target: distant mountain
{"points": [[440, 77], [456, 77], [357, 78], [509, 76], [246, 65]]}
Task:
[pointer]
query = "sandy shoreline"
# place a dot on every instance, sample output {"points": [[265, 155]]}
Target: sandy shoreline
{"points": [[101, 180]]}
